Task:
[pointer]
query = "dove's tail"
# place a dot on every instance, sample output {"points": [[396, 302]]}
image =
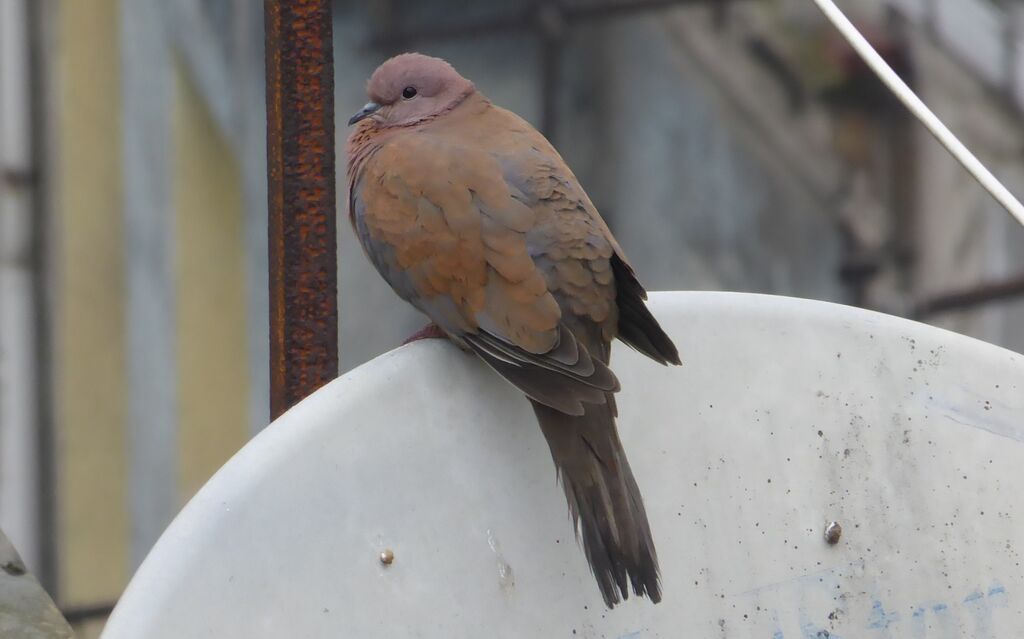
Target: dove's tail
{"points": [[604, 501]]}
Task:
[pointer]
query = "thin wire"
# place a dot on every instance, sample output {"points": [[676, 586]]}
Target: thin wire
{"points": [[921, 111]]}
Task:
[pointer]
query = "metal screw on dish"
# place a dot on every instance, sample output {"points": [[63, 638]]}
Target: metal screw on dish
{"points": [[387, 557], [833, 531]]}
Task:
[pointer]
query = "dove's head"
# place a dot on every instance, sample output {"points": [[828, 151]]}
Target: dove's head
{"points": [[410, 88]]}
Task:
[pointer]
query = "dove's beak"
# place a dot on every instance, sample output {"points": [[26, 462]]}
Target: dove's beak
{"points": [[368, 109]]}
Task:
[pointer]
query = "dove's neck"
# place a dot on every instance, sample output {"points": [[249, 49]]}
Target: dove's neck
{"points": [[368, 136], [468, 96]]}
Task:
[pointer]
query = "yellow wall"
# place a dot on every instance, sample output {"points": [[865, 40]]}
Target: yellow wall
{"points": [[213, 382], [92, 388], [89, 320]]}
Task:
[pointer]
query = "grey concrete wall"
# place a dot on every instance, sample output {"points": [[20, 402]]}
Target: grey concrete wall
{"points": [[149, 253], [965, 236], [694, 205]]}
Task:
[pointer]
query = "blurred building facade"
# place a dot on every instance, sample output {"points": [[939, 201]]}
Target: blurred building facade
{"points": [[730, 146], [129, 345]]}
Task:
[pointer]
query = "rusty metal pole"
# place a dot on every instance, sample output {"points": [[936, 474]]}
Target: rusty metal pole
{"points": [[301, 176]]}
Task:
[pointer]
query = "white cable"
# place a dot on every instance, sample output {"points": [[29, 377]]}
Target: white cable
{"points": [[919, 109]]}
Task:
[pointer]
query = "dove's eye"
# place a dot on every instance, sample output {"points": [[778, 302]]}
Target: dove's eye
{"points": [[409, 93]]}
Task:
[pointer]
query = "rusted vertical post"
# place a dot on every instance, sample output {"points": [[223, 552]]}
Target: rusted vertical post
{"points": [[301, 175]]}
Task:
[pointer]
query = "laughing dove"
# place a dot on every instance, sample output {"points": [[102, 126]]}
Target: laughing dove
{"points": [[473, 218]]}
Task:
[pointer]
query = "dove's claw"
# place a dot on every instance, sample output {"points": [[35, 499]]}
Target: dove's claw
{"points": [[430, 331]]}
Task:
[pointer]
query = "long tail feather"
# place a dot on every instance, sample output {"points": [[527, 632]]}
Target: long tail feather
{"points": [[604, 501]]}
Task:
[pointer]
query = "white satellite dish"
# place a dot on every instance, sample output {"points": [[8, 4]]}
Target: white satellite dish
{"points": [[786, 415]]}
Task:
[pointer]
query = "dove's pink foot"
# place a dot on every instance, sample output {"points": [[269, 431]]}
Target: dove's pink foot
{"points": [[430, 331]]}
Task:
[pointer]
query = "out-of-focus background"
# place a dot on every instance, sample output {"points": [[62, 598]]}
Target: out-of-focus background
{"points": [[732, 145]]}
